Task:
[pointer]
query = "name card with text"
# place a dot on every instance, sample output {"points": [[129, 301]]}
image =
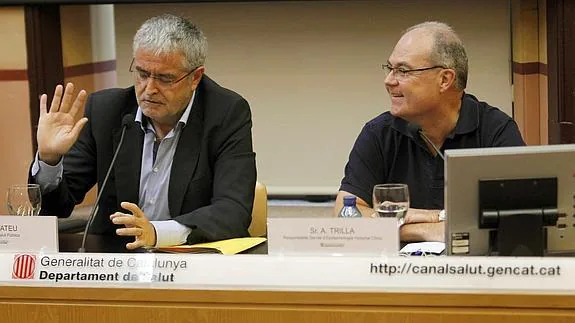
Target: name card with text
{"points": [[333, 236], [28, 233]]}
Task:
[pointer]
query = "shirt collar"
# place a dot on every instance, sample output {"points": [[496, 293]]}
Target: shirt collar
{"points": [[467, 122], [140, 118]]}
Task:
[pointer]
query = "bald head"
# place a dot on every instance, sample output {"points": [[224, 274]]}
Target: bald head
{"points": [[445, 48]]}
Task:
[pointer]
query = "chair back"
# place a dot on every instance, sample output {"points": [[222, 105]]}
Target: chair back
{"points": [[258, 227]]}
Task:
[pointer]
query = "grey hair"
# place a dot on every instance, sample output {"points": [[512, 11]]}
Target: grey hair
{"points": [[447, 51], [167, 34]]}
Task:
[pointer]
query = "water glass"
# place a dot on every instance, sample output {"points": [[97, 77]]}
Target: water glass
{"points": [[24, 199], [391, 201]]}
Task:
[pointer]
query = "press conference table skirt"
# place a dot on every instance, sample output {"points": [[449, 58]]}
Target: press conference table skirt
{"points": [[39, 304]]}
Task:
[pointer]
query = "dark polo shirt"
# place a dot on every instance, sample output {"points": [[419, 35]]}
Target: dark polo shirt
{"points": [[387, 151]]}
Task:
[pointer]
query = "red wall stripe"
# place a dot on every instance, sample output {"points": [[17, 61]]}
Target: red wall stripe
{"points": [[90, 68], [530, 68], [69, 71], [13, 75]]}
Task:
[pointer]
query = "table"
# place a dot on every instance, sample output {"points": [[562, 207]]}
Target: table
{"points": [[64, 305], [70, 242], [40, 304]]}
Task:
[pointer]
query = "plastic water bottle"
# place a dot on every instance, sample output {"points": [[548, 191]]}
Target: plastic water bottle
{"points": [[349, 209]]}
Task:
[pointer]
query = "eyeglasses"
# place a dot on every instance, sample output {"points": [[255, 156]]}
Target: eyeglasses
{"points": [[402, 72], [163, 80]]}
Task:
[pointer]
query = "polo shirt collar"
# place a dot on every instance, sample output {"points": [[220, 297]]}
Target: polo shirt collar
{"points": [[467, 122]]}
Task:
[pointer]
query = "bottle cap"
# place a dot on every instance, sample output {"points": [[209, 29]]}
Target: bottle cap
{"points": [[349, 200]]}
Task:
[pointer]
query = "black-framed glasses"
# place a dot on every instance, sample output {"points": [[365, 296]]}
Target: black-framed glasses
{"points": [[402, 72], [162, 80]]}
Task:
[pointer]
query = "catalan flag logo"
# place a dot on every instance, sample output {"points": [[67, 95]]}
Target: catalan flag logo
{"points": [[24, 266]]}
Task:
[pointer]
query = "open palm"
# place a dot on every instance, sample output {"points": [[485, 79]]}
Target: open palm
{"points": [[57, 128]]}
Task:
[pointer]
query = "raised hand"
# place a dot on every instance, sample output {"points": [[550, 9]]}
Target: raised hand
{"points": [[57, 128]]}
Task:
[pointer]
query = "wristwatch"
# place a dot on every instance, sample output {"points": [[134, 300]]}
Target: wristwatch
{"points": [[442, 217]]}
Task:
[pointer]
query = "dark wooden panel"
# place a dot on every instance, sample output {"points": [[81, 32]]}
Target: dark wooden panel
{"points": [[554, 65], [561, 70], [44, 49], [567, 111]]}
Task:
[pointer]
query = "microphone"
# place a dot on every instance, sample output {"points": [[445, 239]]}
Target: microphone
{"points": [[126, 121], [414, 127]]}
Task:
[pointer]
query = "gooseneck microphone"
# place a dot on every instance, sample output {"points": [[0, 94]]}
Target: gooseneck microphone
{"points": [[414, 127], [126, 120]]}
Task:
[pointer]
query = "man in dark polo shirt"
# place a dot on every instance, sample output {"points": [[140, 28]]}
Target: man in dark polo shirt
{"points": [[427, 75]]}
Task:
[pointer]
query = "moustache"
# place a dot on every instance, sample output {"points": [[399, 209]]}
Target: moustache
{"points": [[152, 99]]}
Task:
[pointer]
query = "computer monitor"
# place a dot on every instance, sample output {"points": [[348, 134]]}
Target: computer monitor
{"points": [[512, 199]]}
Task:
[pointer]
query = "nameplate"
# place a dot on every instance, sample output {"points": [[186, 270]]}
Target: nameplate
{"points": [[28, 233], [333, 236]]}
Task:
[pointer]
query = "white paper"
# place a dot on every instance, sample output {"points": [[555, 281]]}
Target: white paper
{"points": [[425, 247], [28, 233]]}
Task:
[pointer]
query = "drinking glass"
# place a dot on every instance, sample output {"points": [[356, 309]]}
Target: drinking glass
{"points": [[391, 201], [24, 199]]}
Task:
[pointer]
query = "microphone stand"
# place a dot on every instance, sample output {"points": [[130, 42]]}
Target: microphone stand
{"points": [[431, 144], [415, 127], [94, 211]]}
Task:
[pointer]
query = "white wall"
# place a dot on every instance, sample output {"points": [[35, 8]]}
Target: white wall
{"points": [[312, 70]]}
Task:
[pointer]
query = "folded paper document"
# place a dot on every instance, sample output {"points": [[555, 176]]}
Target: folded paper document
{"points": [[225, 247], [422, 248]]}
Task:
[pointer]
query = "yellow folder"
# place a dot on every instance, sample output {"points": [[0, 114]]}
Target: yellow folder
{"points": [[225, 247]]}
